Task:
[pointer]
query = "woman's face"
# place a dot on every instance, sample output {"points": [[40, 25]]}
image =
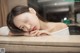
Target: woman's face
{"points": [[27, 22]]}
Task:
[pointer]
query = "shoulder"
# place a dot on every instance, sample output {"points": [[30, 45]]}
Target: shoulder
{"points": [[57, 26], [62, 25]]}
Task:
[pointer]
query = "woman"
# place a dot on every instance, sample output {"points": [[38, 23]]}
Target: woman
{"points": [[26, 21]]}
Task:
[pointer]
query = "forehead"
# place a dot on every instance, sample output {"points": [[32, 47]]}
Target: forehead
{"points": [[19, 19]]}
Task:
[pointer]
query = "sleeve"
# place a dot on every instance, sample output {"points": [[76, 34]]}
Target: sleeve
{"points": [[61, 32], [4, 31]]}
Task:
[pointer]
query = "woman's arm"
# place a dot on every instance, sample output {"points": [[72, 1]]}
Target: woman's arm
{"points": [[10, 33], [17, 34], [39, 33]]}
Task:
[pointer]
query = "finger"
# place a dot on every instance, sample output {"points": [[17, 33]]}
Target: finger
{"points": [[41, 33], [34, 33], [45, 32]]}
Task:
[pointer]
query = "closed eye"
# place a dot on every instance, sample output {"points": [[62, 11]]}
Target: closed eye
{"points": [[24, 28], [21, 27]]}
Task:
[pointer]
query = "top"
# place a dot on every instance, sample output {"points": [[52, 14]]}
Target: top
{"points": [[64, 31], [4, 30]]}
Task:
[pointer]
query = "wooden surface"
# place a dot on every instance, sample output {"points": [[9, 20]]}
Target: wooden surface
{"points": [[41, 44]]}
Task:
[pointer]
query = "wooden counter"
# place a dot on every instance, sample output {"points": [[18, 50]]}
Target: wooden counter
{"points": [[41, 44]]}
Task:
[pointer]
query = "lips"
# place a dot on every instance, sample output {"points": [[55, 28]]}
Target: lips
{"points": [[33, 28]]}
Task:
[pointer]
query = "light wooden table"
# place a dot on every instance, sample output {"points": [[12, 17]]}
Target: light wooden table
{"points": [[41, 44]]}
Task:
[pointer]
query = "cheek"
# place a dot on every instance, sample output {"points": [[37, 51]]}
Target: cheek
{"points": [[34, 23], [16, 23]]}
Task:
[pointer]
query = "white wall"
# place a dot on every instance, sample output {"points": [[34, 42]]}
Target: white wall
{"points": [[12, 3]]}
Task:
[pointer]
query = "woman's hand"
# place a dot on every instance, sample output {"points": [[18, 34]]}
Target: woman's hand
{"points": [[26, 34], [39, 33]]}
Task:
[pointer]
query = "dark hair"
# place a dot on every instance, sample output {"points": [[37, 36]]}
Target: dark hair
{"points": [[14, 12]]}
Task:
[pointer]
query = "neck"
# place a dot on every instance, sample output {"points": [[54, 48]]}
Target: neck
{"points": [[47, 26], [43, 25]]}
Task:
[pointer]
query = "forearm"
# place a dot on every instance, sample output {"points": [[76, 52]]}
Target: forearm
{"points": [[16, 34]]}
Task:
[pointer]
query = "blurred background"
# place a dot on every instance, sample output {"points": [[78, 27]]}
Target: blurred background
{"points": [[66, 11]]}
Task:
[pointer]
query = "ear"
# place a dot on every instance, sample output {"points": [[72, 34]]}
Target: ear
{"points": [[32, 10]]}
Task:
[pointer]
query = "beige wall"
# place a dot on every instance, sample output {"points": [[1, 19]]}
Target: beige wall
{"points": [[12, 3]]}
